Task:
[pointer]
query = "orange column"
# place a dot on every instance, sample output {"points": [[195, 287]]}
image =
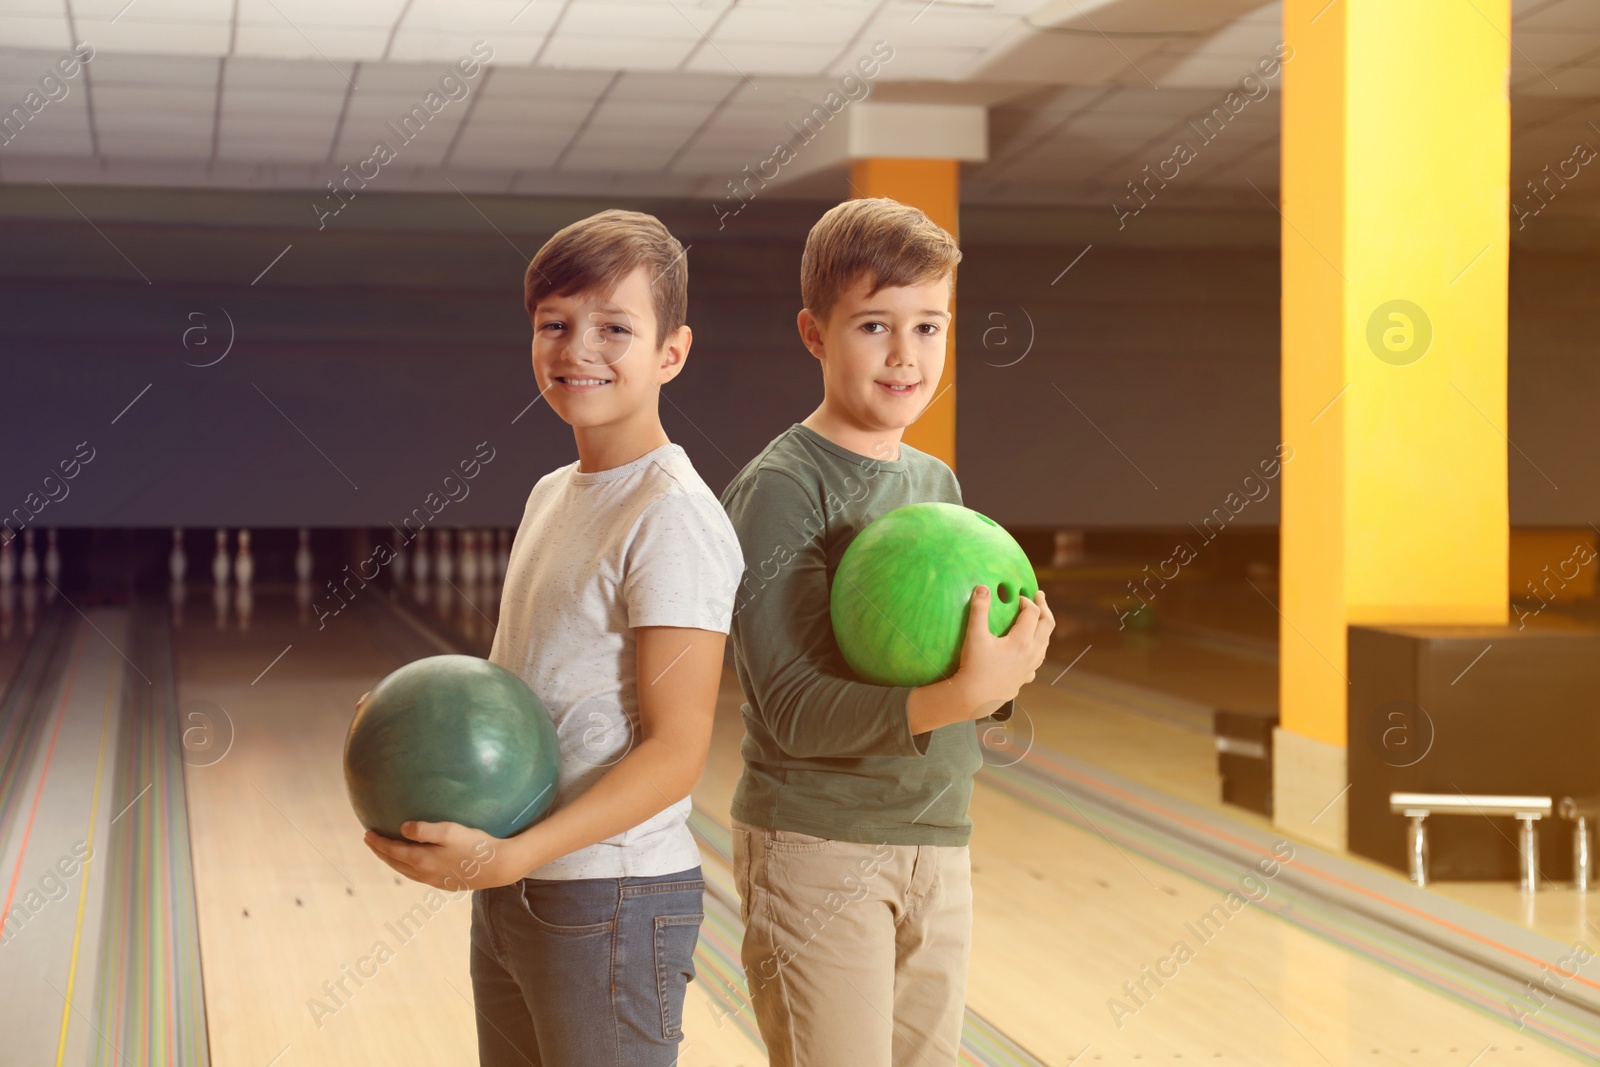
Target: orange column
{"points": [[934, 185], [1395, 246]]}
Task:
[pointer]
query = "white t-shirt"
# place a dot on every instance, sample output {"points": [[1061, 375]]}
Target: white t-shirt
{"points": [[598, 554]]}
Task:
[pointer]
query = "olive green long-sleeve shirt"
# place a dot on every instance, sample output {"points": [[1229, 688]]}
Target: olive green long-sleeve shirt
{"points": [[824, 753]]}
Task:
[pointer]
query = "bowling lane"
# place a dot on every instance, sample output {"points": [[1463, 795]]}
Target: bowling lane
{"points": [[315, 951], [1064, 917], [1084, 950], [58, 807]]}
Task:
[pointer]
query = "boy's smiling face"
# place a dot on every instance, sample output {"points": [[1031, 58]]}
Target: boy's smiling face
{"points": [[595, 355], [882, 353]]}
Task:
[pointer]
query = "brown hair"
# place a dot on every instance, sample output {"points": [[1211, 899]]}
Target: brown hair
{"points": [[893, 243], [601, 250]]}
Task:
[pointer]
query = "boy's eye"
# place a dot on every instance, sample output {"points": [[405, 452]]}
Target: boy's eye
{"points": [[551, 326], [873, 327], [929, 327]]}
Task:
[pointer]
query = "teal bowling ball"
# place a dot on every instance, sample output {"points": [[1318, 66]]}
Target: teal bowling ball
{"points": [[901, 595], [451, 739]]}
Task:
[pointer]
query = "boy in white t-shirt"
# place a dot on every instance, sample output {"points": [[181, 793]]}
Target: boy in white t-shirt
{"points": [[616, 605]]}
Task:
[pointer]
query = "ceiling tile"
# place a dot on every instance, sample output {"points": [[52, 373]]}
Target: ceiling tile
{"points": [[154, 10], [191, 38], [821, 24], [173, 100], [137, 146], [657, 21], [917, 64], [547, 112], [675, 87], [546, 84], [55, 141], [299, 75], [277, 129], [489, 19], [615, 52], [253, 149], [674, 116], [756, 58], [148, 124], [634, 158], [444, 46], [188, 72], [348, 14], [937, 27], [22, 31], [337, 44]]}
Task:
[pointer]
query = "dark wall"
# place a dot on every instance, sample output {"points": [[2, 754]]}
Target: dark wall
{"points": [[1149, 393], [1137, 388], [366, 364]]}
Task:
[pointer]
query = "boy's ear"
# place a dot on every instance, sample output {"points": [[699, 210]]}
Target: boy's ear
{"points": [[810, 331], [673, 352]]}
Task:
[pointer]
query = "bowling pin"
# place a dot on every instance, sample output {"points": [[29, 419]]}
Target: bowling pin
{"points": [[421, 569], [244, 565], [245, 603], [177, 562], [52, 558], [219, 601], [443, 565], [302, 599], [30, 608], [469, 557], [1068, 548], [30, 558], [302, 557], [8, 562], [219, 562], [397, 565], [176, 595]]}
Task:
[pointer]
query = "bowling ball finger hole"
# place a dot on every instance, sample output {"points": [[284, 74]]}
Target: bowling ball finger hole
{"points": [[1006, 592]]}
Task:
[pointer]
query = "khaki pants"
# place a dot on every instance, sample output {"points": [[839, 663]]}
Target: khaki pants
{"points": [[855, 954]]}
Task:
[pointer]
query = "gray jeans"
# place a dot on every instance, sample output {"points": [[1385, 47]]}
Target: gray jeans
{"points": [[584, 973]]}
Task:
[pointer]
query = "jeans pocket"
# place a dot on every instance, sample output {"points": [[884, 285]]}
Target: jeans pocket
{"points": [[565, 901], [795, 842], [676, 937]]}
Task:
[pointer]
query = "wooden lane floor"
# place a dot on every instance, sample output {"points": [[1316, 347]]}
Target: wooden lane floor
{"points": [[1064, 918], [1165, 741], [315, 952]]}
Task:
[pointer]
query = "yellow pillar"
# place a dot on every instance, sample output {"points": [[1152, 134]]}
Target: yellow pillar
{"points": [[1395, 192], [934, 185]]}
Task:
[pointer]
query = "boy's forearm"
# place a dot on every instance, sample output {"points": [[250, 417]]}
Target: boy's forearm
{"points": [[648, 780], [941, 704]]}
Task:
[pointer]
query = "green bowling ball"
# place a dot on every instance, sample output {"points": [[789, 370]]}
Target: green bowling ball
{"points": [[451, 739], [902, 592]]}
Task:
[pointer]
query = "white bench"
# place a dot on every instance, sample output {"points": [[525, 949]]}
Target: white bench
{"points": [[1418, 806]]}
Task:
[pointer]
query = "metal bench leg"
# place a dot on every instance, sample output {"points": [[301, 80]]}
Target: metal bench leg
{"points": [[1417, 849], [1582, 861], [1529, 845]]}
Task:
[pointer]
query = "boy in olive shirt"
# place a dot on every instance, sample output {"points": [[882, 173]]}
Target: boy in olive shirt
{"points": [[850, 820]]}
